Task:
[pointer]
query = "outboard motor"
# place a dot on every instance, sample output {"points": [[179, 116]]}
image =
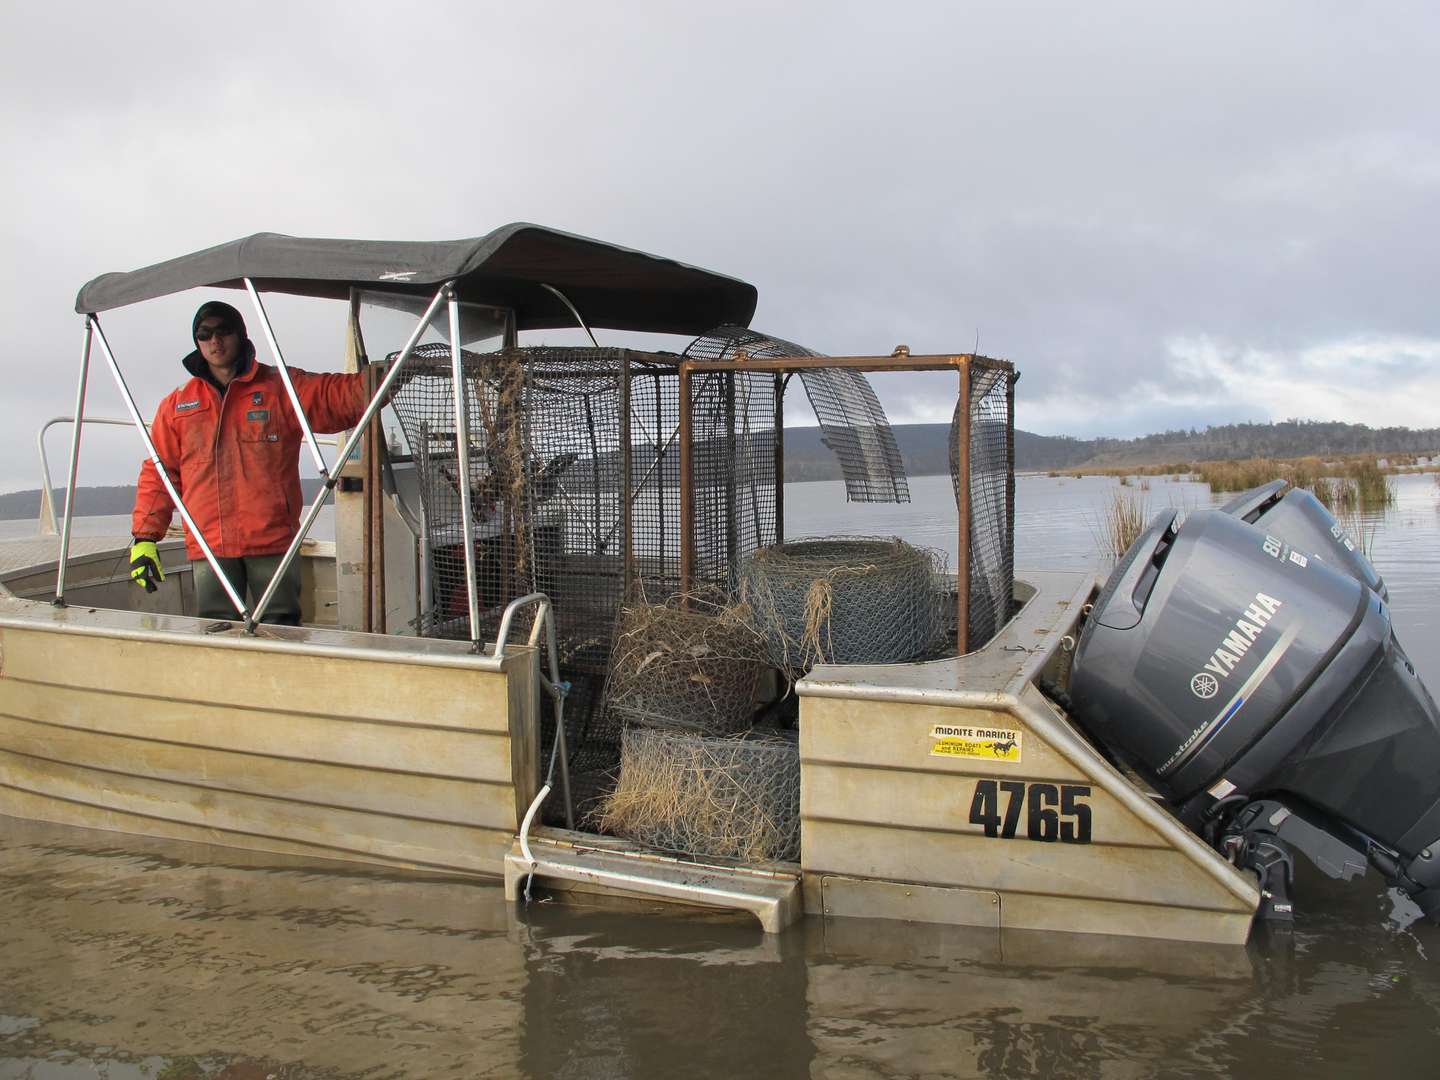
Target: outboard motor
{"points": [[1298, 517], [1264, 694]]}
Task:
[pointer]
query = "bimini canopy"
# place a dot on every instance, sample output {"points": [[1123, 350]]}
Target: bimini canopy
{"points": [[611, 286]]}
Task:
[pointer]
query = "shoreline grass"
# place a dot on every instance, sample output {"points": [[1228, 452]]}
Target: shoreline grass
{"points": [[1355, 481]]}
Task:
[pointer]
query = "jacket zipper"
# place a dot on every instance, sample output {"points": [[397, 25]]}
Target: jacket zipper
{"points": [[215, 458]]}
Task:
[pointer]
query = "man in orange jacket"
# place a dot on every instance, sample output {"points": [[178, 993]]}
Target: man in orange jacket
{"points": [[230, 442]]}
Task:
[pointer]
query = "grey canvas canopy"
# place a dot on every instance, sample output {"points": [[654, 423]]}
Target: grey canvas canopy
{"points": [[613, 287]]}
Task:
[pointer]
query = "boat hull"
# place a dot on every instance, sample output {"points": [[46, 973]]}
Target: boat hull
{"points": [[339, 745]]}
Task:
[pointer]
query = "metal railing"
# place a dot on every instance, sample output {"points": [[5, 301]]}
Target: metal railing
{"points": [[557, 688], [95, 336], [48, 526]]}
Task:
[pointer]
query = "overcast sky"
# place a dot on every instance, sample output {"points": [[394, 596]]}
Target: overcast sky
{"points": [[1166, 215]]}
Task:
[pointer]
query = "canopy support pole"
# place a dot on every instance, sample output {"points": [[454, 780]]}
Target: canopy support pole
{"points": [[573, 311], [46, 496], [160, 470], [285, 378], [462, 461], [376, 401]]}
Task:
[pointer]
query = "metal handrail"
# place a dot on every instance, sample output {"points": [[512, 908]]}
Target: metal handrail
{"points": [[47, 501], [544, 620]]}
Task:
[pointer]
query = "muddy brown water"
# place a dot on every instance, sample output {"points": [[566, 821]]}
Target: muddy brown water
{"points": [[126, 958]]}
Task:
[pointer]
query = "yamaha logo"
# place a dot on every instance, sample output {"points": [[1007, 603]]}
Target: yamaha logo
{"points": [[1205, 685]]}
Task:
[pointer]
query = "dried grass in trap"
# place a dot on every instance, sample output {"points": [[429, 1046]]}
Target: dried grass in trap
{"points": [[845, 600], [693, 670], [736, 798]]}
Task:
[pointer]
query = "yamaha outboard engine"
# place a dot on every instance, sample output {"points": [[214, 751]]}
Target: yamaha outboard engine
{"points": [[1263, 693], [1298, 517]]}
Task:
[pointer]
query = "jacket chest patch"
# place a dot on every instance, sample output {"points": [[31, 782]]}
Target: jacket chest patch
{"points": [[258, 416], [257, 398], [187, 406]]}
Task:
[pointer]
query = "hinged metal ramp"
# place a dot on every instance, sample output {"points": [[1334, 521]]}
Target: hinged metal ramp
{"points": [[771, 896]]}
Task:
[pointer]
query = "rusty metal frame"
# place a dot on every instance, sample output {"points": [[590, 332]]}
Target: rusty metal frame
{"points": [[900, 360], [893, 362], [627, 480]]}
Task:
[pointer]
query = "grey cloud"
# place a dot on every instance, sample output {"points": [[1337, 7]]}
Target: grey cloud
{"points": [[1081, 185]]}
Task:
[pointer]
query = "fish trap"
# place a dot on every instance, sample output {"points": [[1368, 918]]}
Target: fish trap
{"points": [[734, 798], [694, 670], [848, 600]]}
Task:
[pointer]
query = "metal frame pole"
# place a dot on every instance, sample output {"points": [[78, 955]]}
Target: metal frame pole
{"points": [[341, 455], [732, 527], [161, 470], [627, 487], [375, 514], [285, 378], [462, 461], [45, 496], [780, 381], [1009, 377], [687, 492], [963, 508]]}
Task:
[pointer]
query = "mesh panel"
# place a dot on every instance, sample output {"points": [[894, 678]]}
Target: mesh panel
{"points": [[549, 491], [847, 600], [733, 434], [852, 421], [733, 798], [686, 667], [991, 493], [545, 485]]}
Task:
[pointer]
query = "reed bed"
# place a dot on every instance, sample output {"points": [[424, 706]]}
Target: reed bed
{"points": [[1352, 483], [1166, 469], [1360, 530], [1241, 474], [1122, 520]]}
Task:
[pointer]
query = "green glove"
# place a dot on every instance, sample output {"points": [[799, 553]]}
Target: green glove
{"points": [[145, 568]]}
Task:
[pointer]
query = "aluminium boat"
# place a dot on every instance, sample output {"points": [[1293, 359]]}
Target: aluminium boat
{"points": [[417, 717]]}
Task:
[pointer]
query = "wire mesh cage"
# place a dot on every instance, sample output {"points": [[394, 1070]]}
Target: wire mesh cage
{"points": [[984, 485], [574, 478], [686, 665], [736, 798], [846, 600], [733, 479]]}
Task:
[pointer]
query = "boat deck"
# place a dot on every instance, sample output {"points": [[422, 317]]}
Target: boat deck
{"points": [[38, 551]]}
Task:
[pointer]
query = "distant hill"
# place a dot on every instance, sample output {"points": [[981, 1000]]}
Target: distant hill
{"points": [[926, 447], [1287, 439], [926, 451], [90, 501]]}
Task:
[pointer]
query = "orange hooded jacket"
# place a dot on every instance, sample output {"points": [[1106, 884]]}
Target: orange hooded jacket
{"points": [[234, 455]]}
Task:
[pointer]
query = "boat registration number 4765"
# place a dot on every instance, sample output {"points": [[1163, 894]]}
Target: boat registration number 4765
{"points": [[1051, 811]]}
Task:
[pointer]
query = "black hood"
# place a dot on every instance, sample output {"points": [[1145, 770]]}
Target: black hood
{"points": [[195, 364], [218, 309]]}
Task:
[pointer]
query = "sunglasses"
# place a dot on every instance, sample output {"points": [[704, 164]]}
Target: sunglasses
{"points": [[205, 333]]}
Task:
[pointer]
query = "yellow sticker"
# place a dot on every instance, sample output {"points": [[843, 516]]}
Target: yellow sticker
{"points": [[991, 744]]}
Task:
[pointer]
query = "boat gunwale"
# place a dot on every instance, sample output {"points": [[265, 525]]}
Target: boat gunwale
{"points": [[19, 614]]}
